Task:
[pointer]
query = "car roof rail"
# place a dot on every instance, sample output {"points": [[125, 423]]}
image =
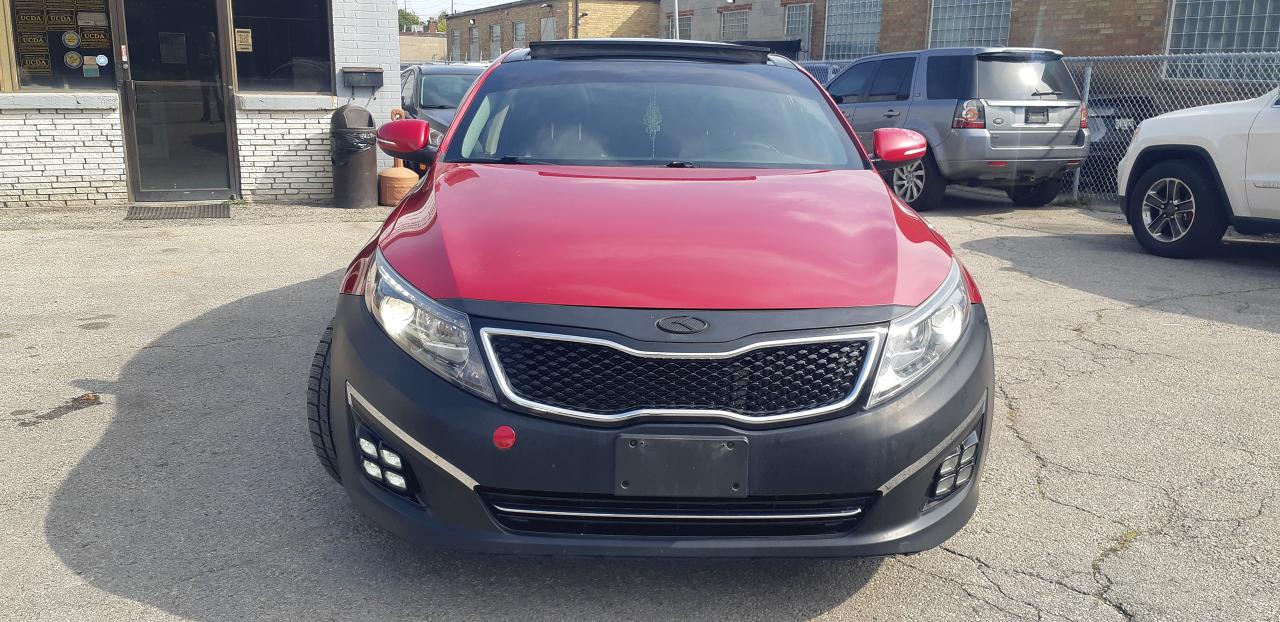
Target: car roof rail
{"points": [[648, 48]]}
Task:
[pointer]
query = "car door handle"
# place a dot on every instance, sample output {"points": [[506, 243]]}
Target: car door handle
{"points": [[891, 113]]}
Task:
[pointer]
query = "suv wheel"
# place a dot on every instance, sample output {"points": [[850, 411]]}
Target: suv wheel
{"points": [[1175, 210], [318, 421], [1037, 194], [919, 184]]}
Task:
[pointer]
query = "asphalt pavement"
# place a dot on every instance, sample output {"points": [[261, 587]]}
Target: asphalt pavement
{"points": [[154, 461]]}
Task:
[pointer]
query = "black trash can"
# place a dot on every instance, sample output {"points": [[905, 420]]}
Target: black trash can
{"points": [[352, 136]]}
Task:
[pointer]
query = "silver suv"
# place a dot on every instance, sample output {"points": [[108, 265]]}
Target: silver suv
{"points": [[1002, 117]]}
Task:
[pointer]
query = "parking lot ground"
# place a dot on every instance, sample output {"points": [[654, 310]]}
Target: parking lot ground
{"points": [[154, 461]]}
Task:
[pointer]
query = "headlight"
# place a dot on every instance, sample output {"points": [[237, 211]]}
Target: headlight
{"points": [[438, 337], [919, 339]]}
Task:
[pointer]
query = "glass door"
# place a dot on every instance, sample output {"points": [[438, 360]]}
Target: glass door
{"points": [[176, 101]]}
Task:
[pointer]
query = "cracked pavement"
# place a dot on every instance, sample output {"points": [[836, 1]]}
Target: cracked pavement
{"points": [[154, 462]]}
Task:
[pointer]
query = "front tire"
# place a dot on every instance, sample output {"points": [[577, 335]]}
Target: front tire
{"points": [[1175, 210], [1035, 195], [919, 184], [318, 421]]}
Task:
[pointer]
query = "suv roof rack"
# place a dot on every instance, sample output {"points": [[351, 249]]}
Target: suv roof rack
{"points": [[648, 48]]}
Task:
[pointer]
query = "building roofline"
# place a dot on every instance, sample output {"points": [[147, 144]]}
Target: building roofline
{"points": [[510, 5]]}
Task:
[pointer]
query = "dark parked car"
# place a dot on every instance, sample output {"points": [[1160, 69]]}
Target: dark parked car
{"points": [[653, 299], [1007, 118], [432, 91]]}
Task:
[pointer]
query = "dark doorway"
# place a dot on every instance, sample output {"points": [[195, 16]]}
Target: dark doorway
{"points": [[177, 105]]}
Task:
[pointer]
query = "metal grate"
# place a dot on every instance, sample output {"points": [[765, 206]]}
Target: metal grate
{"points": [[852, 30], [582, 514], [178, 212], [686, 27], [602, 380], [954, 23]]}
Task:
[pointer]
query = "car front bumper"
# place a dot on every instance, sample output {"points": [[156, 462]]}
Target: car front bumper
{"points": [[888, 453]]}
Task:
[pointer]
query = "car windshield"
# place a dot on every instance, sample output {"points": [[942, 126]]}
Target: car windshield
{"points": [[444, 90], [652, 113], [1024, 77]]}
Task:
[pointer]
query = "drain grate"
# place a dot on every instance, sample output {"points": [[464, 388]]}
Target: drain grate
{"points": [[178, 212]]}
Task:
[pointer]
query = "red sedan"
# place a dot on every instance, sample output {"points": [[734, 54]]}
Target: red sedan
{"points": [[653, 298]]}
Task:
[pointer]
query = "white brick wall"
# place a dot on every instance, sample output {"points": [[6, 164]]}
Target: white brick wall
{"points": [[284, 155], [366, 34], [61, 155]]}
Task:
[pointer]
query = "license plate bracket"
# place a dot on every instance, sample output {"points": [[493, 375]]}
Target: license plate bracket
{"points": [[680, 466], [1037, 116]]}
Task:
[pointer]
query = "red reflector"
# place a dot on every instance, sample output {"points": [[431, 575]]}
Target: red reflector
{"points": [[504, 437], [997, 163], [1072, 162]]}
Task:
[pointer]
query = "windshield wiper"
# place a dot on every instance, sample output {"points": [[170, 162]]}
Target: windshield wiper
{"points": [[1049, 92], [680, 164], [437, 107], [508, 159]]}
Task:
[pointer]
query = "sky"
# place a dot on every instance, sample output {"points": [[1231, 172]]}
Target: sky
{"points": [[431, 8]]}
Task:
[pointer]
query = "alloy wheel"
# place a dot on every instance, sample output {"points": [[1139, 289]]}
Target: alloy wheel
{"points": [[1168, 209], [908, 181]]}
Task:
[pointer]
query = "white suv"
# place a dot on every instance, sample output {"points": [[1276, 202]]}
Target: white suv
{"points": [[1189, 174]]}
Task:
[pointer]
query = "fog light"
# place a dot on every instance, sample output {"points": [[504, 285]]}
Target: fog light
{"points": [[395, 480], [962, 477], [391, 459], [970, 450], [944, 486], [372, 470], [369, 447], [949, 464]]}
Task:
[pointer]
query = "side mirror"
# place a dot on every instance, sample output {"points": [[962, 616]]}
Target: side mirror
{"points": [[408, 140], [893, 147]]}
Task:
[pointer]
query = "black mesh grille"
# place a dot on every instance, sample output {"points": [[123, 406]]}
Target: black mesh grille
{"points": [[598, 379], [585, 514]]}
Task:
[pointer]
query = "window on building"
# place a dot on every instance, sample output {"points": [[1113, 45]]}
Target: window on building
{"points": [[799, 19], [495, 40], [455, 45], [282, 45], [969, 22], [57, 47], [733, 25], [1199, 26], [521, 39], [547, 29], [1224, 26], [473, 51], [853, 29], [686, 27]]}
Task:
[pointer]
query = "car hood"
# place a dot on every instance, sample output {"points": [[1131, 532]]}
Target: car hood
{"points": [[663, 238], [1248, 107]]}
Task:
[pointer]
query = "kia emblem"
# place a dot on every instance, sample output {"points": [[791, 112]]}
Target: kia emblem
{"points": [[682, 325]]}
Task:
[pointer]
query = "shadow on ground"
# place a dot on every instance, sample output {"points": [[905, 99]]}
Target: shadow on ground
{"points": [[1238, 284], [203, 499]]}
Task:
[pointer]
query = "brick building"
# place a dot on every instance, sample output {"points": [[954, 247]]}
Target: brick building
{"points": [[847, 29], [484, 34], [108, 101]]}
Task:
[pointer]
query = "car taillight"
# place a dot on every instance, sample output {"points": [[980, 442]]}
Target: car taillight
{"points": [[969, 115], [1084, 117]]}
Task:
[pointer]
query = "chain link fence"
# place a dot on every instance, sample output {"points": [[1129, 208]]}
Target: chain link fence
{"points": [[1123, 91]]}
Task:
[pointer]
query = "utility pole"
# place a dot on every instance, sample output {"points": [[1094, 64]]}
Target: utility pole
{"points": [[675, 19], [576, 17]]}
